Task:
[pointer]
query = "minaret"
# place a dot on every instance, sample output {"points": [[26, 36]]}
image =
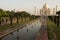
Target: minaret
{"points": [[37, 12], [34, 10], [54, 11], [56, 8]]}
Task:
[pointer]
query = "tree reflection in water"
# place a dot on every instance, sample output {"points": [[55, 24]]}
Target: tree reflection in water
{"points": [[32, 26], [27, 30], [17, 37], [12, 33], [17, 30]]}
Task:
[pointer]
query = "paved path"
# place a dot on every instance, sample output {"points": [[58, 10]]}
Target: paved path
{"points": [[42, 34]]}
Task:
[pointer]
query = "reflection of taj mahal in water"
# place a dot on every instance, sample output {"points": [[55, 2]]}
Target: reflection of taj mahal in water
{"points": [[47, 11]]}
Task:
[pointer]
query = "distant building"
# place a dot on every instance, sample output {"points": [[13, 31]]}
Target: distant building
{"points": [[47, 11]]}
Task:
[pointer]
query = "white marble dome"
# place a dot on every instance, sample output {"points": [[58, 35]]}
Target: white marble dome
{"points": [[45, 6]]}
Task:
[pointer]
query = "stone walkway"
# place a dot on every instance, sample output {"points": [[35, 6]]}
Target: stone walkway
{"points": [[42, 34]]}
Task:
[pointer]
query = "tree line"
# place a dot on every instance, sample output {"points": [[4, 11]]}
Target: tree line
{"points": [[55, 19], [12, 14]]}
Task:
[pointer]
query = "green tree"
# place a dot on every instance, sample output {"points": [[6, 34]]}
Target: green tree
{"points": [[17, 16], [1, 10], [24, 14], [11, 15]]}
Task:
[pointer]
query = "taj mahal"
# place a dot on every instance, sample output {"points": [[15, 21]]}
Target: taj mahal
{"points": [[45, 10]]}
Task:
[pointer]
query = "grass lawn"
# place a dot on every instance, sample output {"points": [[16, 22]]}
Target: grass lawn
{"points": [[52, 27], [5, 27]]}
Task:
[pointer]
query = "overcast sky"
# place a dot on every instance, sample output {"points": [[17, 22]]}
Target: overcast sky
{"points": [[27, 5]]}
